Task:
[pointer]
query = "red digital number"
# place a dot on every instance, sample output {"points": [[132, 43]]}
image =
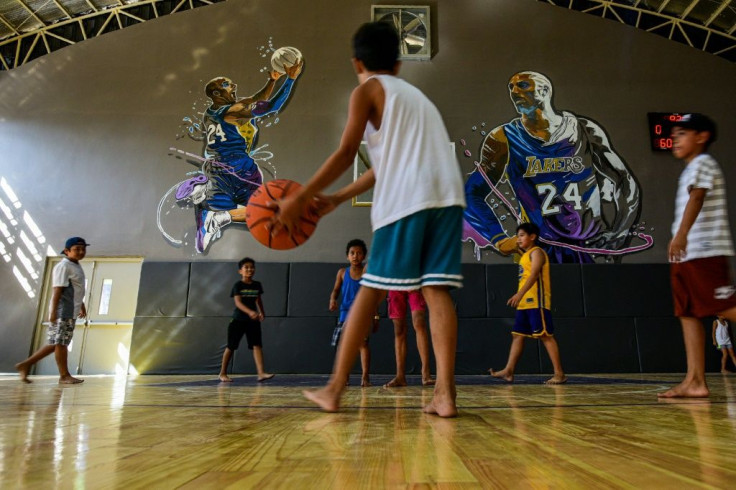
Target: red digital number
{"points": [[675, 117], [657, 129], [665, 143]]}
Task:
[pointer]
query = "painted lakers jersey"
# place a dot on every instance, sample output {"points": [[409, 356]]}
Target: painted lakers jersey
{"points": [[555, 182], [540, 294], [224, 140]]}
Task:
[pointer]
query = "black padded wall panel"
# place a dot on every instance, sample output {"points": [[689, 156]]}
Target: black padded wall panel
{"points": [[178, 345], [163, 289], [298, 326], [310, 285], [302, 345], [501, 283], [661, 348], [209, 289], [567, 290], [595, 345], [627, 290], [484, 343], [471, 298], [211, 283]]}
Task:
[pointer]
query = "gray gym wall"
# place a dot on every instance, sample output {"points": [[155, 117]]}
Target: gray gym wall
{"points": [[86, 130]]}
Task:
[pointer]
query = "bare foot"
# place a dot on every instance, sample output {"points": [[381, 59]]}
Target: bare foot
{"points": [[395, 383], [265, 377], [441, 407], [225, 378], [365, 383], [686, 390], [326, 400], [22, 369], [556, 380], [427, 381], [726, 371], [70, 380], [502, 375]]}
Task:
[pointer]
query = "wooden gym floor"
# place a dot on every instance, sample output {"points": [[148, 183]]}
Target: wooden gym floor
{"points": [[159, 432]]}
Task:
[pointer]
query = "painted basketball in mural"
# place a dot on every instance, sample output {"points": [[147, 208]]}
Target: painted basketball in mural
{"points": [[258, 216], [284, 58], [557, 170]]}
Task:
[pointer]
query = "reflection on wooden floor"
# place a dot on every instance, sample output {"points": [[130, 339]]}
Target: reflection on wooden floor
{"points": [[191, 432]]}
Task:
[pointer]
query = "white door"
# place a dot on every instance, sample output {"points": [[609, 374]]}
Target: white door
{"points": [[101, 343]]}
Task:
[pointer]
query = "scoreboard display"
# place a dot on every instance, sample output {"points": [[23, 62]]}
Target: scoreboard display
{"points": [[660, 129]]}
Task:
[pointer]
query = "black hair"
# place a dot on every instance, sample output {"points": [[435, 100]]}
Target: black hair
{"points": [[376, 44], [529, 229], [246, 260], [357, 242]]}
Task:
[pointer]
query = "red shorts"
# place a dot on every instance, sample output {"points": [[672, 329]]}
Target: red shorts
{"points": [[397, 302], [702, 287]]}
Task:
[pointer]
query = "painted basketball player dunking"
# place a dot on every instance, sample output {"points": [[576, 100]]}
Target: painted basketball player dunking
{"points": [[230, 174], [562, 169]]}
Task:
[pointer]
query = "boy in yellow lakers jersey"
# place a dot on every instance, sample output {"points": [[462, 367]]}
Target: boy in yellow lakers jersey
{"points": [[532, 302]]}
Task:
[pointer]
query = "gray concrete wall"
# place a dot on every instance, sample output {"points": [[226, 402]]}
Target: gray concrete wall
{"points": [[85, 132]]}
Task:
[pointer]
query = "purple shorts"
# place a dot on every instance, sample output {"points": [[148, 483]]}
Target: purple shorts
{"points": [[534, 322]]}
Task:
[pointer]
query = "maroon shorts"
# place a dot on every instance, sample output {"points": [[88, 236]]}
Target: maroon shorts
{"points": [[702, 287]]}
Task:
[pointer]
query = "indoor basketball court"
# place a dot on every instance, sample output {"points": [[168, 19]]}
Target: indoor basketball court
{"points": [[597, 431]]}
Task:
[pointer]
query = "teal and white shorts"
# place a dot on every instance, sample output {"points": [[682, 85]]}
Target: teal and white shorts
{"points": [[422, 249]]}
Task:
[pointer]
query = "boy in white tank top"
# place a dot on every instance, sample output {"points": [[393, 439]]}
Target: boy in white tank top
{"points": [[418, 200]]}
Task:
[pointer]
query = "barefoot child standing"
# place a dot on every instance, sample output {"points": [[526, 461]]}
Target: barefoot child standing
{"points": [[722, 340], [700, 248], [533, 302], [247, 317], [418, 201], [347, 285]]}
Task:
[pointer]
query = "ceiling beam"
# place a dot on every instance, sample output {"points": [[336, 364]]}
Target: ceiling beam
{"points": [[661, 7], [33, 14], [689, 8], [717, 12], [62, 8]]}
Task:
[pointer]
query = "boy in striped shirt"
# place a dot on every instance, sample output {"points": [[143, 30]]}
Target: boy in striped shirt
{"points": [[700, 248]]}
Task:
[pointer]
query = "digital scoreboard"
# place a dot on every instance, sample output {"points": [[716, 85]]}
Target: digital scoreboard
{"points": [[660, 129]]}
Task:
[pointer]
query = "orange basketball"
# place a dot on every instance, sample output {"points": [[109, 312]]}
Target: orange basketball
{"points": [[258, 216]]}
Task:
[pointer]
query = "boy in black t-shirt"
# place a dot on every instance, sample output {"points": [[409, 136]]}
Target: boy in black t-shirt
{"points": [[247, 318]]}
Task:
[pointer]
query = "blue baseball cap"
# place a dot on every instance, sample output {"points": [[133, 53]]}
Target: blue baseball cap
{"points": [[75, 240]]}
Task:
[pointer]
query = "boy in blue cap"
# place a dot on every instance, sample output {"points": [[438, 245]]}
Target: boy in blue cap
{"points": [[67, 304]]}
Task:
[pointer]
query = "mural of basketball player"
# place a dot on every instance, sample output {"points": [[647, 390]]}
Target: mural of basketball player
{"points": [[230, 175], [565, 174]]}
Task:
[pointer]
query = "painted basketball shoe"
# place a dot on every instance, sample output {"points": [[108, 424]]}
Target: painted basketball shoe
{"points": [[209, 226], [194, 189]]}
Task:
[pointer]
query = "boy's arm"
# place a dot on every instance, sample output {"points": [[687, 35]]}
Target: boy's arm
{"points": [[678, 245], [55, 298], [715, 325], [362, 105], [261, 310], [241, 306], [538, 261], [362, 184], [336, 290]]}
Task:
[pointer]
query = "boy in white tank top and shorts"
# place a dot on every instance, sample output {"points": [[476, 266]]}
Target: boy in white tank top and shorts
{"points": [[418, 201]]}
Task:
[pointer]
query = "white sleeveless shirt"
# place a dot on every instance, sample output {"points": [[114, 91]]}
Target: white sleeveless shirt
{"points": [[414, 164]]}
